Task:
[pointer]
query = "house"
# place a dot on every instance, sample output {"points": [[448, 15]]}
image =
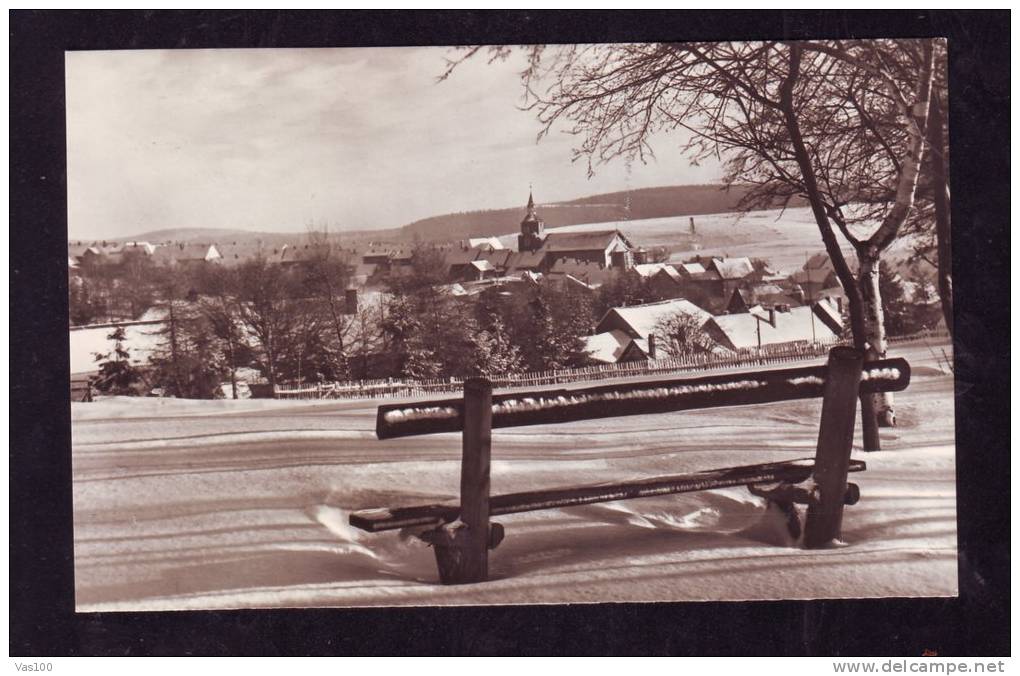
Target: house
{"points": [[817, 275], [185, 254], [607, 347], [95, 254], [298, 255], [762, 327], [234, 254], [733, 268], [733, 274], [648, 270], [702, 286], [766, 294], [459, 261], [667, 283], [639, 321], [401, 261], [138, 249], [482, 269], [590, 275], [628, 333], [520, 262], [377, 255], [498, 258]]}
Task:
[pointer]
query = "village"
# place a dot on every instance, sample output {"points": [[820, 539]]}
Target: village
{"points": [[619, 302]]}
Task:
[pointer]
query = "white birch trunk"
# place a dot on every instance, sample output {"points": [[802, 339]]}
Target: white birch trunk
{"points": [[874, 320]]}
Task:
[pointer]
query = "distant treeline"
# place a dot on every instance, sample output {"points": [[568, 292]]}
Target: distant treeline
{"points": [[678, 200], [662, 202]]}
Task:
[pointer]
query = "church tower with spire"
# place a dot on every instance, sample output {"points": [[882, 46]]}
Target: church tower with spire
{"points": [[532, 229]]}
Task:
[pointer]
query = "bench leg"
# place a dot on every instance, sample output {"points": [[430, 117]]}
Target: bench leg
{"points": [[462, 547], [457, 556], [785, 497], [835, 442]]}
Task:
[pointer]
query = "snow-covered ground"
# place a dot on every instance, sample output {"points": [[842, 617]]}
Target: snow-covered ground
{"points": [[228, 504], [141, 339]]}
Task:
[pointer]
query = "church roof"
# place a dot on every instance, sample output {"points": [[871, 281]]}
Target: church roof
{"points": [[598, 240], [521, 261]]}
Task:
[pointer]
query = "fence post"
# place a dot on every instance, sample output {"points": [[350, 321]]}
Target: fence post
{"points": [[462, 547], [835, 442]]}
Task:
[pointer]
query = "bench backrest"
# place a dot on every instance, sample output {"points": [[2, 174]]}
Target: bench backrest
{"points": [[539, 407]]}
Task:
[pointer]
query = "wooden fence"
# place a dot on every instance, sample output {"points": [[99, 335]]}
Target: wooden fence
{"points": [[768, 355]]}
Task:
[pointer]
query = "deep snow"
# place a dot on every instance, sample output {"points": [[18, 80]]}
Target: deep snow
{"points": [[182, 505]]}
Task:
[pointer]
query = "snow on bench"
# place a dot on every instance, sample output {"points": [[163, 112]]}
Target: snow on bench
{"points": [[462, 533]]}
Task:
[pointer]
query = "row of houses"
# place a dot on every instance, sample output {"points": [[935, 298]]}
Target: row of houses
{"points": [[179, 253], [629, 333]]}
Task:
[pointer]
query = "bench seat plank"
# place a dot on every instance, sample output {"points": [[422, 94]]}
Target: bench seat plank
{"points": [[791, 471]]}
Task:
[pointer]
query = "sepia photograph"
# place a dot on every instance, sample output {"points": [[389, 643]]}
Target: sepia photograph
{"points": [[490, 325]]}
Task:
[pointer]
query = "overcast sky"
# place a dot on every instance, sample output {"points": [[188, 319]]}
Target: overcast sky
{"points": [[276, 139]]}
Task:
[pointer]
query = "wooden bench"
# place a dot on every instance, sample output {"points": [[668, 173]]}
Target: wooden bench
{"points": [[462, 534]]}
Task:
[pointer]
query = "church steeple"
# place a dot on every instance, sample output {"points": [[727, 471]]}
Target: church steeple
{"points": [[532, 228]]}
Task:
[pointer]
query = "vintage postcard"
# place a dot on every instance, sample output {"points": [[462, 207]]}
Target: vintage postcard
{"points": [[547, 324]]}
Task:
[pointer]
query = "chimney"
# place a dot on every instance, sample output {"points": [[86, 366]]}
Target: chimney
{"points": [[651, 346], [351, 301]]}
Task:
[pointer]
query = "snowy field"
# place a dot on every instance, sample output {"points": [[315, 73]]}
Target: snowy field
{"points": [[784, 238], [231, 504]]}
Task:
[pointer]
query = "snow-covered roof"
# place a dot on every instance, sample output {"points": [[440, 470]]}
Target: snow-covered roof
{"points": [[492, 242], [691, 268], [608, 346], [176, 253], [238, 253], [651, 269], [733, 268], [828, 312], [482, 265], [799, 324], [642, 319]]}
